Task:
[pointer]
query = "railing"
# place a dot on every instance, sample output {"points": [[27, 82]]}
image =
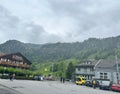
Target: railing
{"points": [[14, 64]]}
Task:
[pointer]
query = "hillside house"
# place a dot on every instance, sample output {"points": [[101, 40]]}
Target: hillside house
{"points": [[86, 69], [15, 60]]}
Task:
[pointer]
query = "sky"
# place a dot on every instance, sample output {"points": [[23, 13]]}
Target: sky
{"points": [[51, 21]]}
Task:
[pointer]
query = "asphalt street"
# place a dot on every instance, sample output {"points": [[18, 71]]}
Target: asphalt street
{"points": [[48, 87], [7, 90]]}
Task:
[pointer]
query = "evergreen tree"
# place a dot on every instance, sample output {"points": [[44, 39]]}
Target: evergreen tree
{"points": [[69, 71]]}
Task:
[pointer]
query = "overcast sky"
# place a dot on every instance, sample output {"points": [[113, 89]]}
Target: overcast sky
{"points": [[50, 21]]}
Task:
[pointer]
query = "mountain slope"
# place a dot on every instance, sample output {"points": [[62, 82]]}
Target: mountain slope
{"points": [[89, 49]]}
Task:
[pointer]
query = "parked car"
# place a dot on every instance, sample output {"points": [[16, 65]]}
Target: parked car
{"points": [[115, 87], [105, 84], [88, 83], [50, 78], [80, 80], [39, 78]]}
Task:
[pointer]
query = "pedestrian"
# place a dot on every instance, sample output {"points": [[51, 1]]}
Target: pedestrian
{"points": [[61, 79], [10, 76], [94, 84], [13, 76]]}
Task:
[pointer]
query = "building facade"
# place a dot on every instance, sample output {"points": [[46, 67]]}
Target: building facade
{"points": [[15, 60], [107, 69], [101, 69], [86, 69]]}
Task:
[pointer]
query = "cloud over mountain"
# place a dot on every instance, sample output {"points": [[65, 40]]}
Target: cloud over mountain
{"points": [[44, 21], [11, 27]]}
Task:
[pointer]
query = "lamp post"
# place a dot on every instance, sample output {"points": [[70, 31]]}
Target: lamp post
{"points": [[4, 70], [52, 68]]}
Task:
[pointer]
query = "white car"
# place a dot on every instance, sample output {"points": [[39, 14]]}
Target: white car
{"points": [[105, 84]]}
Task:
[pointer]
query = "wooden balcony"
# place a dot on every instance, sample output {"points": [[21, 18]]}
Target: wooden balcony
{"points": [[13, 64]]}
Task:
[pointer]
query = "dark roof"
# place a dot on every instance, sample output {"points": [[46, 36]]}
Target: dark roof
{"points": [[10, 56], [107, 63]]}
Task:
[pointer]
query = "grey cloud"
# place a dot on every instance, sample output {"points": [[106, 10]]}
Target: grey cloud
{"points": [[6, 20], [50, 38], [11, 27], [34, 32], [37, 34], [78, 19], [94, 18]]}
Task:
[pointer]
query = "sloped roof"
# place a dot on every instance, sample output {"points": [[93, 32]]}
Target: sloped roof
{"points": [[107, 63], [99, 64], [10, 56], [87, 63]]}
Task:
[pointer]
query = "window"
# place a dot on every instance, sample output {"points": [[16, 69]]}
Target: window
{"points": [[91, 69], [17, 57], [103, 75], [17, 62], [21, 62], [1, 59], [78, 79]]}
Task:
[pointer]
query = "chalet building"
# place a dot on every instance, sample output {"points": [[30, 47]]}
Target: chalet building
{"points": [[15, 60], [86, 69]]}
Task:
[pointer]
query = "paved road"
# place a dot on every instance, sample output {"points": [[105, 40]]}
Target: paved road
{"points": [[6, 90], [50, 87]]}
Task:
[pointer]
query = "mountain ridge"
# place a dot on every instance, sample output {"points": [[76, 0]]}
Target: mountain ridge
{"points": [[93, 48]]}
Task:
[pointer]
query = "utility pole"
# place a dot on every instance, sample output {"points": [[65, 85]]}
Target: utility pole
{"points": [[52, 67], [117, 70], [4, 70]]}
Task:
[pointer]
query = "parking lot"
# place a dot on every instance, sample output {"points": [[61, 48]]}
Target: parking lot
{"points": [[51, 87]]}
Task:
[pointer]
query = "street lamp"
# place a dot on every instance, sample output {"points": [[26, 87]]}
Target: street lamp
{"points": [[4, 70]]}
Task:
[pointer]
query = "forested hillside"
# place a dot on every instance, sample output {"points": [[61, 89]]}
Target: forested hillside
{"points": [[89, 49]]}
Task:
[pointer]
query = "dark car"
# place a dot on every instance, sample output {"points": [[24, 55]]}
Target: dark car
{"points": [[37, 78], [115, 87], [88, 83]]}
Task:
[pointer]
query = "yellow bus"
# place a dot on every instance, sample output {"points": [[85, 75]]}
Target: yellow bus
{"points": [[80, 80]]}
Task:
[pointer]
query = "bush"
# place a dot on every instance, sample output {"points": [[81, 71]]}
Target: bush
{"points": [[4, 76]]}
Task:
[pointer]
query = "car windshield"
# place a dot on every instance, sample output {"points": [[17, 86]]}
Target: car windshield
{"points": [[83, 79]]}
